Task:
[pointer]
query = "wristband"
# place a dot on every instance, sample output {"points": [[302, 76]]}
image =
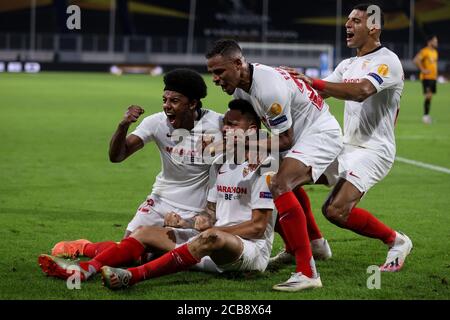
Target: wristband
{"points": [[318, 84]]}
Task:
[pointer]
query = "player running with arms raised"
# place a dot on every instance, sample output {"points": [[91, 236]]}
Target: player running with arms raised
{"points": [[371, 85]]}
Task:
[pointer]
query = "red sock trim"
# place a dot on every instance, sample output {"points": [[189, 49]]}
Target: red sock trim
{"points": [[285, 201], [186, 255]]}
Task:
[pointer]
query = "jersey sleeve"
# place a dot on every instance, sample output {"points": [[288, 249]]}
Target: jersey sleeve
{"points": [[261, 196], [147, 129], [275, 99], [337, 74], [385, 72]]}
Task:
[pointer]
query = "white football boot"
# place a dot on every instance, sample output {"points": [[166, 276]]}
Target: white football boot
{"points": [[298, 282], [397, 253], [116, 278], [320, 249], [427, 119], [283, 257]]}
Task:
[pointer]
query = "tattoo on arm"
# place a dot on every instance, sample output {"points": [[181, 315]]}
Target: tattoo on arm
{"points": [[211, 211]]}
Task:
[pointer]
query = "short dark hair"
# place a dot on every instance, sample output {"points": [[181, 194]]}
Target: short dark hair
{"points": [[246, 109], [223, 47], [188, 82], [430, 37], [365, 6]]}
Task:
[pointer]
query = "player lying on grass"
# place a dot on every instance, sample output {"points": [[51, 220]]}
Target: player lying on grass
{"points": [[182, 184], [309, 137], [241, 239], [371, 85]]}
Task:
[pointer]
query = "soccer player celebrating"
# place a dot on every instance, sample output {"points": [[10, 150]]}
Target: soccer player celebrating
{"points": [[241, 239], [371, 85], [182, 184], [309, 138], [427, 62]]}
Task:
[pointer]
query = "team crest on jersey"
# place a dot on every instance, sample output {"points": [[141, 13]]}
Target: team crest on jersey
{"points": [[247, 170], [383, 70], [275, 109]]}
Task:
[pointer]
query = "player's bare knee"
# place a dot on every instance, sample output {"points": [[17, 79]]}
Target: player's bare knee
{"points": [[210, 240], [324, 209], [334, 214], [278, 185], [138, 233], [143, 234]]}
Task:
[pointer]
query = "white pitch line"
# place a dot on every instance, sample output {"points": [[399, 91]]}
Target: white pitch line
{"points": [[423, 165]]}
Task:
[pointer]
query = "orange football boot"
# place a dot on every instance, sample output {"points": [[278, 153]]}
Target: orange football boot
{"points": [[70, 249]]}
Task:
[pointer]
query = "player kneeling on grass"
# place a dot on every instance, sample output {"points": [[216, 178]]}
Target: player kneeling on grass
{"points": [[241, 239], [182, 184]]}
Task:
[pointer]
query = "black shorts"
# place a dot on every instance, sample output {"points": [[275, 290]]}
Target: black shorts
{"points": [[429, 84]]}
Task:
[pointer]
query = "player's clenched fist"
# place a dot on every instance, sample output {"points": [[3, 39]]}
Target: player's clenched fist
{"points": [[173, 220], [202, 222], [132, 114]]}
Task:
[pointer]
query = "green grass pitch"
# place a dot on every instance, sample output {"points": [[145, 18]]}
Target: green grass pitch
{"points": [[57, 183]]}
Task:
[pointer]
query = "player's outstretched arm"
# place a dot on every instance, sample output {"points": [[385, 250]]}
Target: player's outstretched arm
{"points": [[295, 74], [251, 229], [285, 141], [121, 146], [344, 91], [347, 91]]}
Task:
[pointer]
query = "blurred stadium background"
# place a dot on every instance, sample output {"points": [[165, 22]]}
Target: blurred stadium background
{"points": [[143, 34]]}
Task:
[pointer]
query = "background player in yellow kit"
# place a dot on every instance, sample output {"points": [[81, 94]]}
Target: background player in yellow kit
{"points": [[427, 62]]}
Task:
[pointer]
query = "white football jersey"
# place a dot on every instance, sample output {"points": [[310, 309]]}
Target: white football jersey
{"points": [[236, 191], [283, 102], [184, 178], [370, 124]]}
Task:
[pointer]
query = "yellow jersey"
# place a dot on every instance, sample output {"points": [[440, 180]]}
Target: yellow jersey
{"points": [[429, 60]]}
